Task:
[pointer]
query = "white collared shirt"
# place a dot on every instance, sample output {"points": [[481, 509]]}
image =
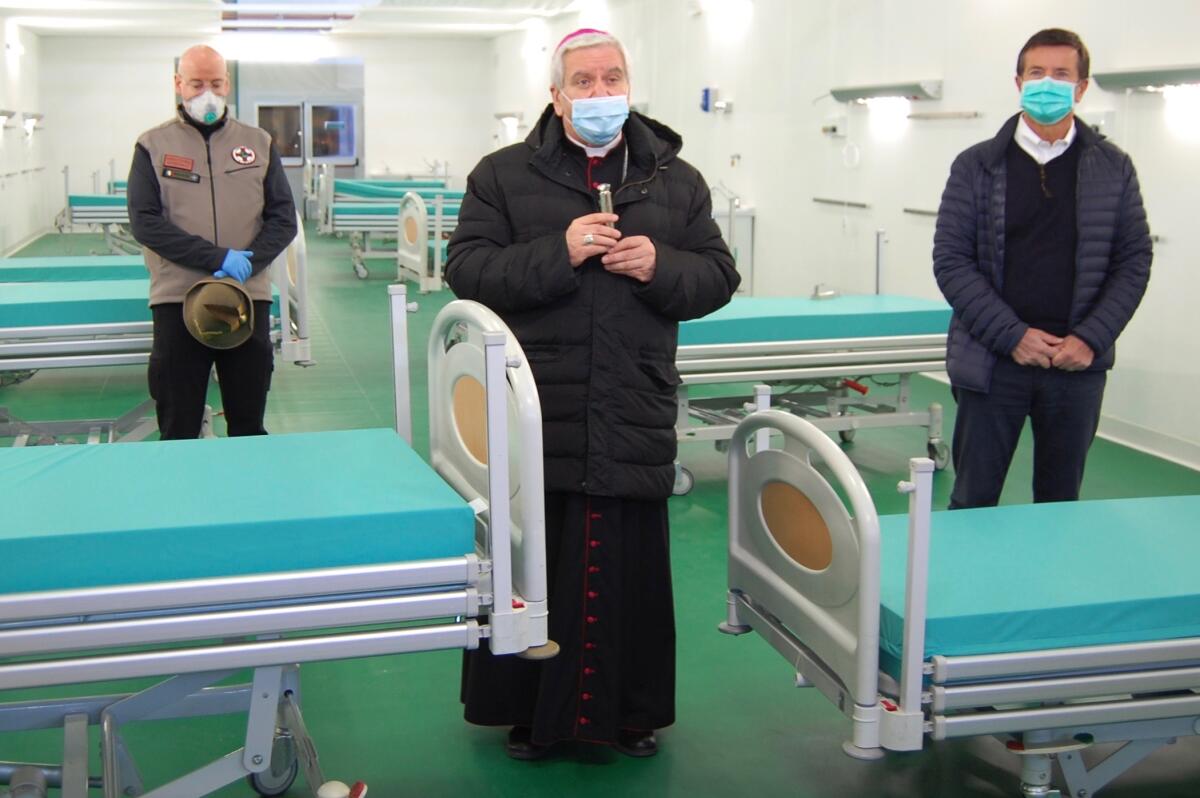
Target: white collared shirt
{"points": [[596, 152], [1037, 147]]}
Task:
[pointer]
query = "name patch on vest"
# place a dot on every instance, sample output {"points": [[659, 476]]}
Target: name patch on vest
{"points": [[178, 162], [181, 174]]}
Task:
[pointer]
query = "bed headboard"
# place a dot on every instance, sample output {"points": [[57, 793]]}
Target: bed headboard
{"points": [[484, 412], [412, 236]]}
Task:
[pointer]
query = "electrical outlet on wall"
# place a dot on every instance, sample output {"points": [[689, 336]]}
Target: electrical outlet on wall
{"points": [[834, 127]]}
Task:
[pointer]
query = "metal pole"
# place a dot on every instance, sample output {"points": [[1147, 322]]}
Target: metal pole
{"points": [[880, 240]]}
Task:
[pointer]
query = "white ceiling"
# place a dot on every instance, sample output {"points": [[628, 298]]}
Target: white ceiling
{"points": [[340, 17]]}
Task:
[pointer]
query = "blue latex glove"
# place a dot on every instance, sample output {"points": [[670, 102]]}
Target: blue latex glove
{"points": [[236, 265]]}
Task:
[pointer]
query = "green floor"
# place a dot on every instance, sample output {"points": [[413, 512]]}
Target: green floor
{"points": [[742, 728]]}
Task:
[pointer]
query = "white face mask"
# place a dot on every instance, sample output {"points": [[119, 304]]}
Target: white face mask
{"points": [[205, 108]]}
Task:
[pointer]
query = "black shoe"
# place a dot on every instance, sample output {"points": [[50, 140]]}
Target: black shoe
{"points": [[520, 744], [636, 743]]}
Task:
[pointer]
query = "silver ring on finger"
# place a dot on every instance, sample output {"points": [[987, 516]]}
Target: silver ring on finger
{"points": [[588, 239]]}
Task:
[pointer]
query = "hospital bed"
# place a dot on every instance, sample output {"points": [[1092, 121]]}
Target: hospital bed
{"points": [[845, 363], [314, 173], [108, 212], [186, 587], [419, 220], [87, 311], [1057, 628]]}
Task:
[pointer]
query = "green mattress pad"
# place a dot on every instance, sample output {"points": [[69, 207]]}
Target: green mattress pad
{"points": [[98, 302], [382, 209], [114, 514], [371, 190], [758, 319], [69, 269], [1029, 577], [383, 183], [97, 200]]}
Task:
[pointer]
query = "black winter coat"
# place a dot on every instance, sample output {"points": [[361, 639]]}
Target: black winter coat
{"points": [[602, 346], [1112, 254]]}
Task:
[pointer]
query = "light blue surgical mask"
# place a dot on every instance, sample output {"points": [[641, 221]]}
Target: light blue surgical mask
{"points": [[598, 120], [1047, 100], [205, 108]]}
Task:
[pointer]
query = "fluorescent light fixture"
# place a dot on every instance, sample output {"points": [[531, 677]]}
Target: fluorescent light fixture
{"points": [[6, 117], [30, 120], [72, 23], [1153, 79], [913, 90], [1182, 111], [889, 116]]}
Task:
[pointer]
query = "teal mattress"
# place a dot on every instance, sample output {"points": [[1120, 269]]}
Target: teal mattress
{"points": [[97, 200], [1028, 577], [70, 269], [382, 209], [98, 302], [381, 183], [758, 319], [374, 191], [143, 512]]}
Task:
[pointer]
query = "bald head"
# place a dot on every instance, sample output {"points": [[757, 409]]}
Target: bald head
{"points": [[201, 68]]}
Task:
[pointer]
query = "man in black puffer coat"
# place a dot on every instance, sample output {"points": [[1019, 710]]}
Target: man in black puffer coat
{"points": [[595, 300], [1043, 252]]}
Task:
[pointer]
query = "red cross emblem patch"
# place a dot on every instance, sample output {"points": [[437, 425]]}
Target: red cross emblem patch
{"points": [[244, 155]]}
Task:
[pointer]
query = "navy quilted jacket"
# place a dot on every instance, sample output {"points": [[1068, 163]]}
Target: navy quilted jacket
{"points": [[1112, 256]]}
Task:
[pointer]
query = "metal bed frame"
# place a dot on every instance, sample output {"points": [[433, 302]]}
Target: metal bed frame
{"points": [[193, 634], [1046, 705], [823, 381]]}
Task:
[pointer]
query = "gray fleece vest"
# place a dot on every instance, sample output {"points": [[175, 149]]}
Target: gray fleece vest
{"points": [[210, 189]]}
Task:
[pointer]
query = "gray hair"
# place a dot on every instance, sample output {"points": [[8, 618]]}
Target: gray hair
{"points": [[591, 39]]}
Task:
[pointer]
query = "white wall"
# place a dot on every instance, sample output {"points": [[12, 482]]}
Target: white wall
{"points": [[777, 61], [25, 205], [425, 99]]}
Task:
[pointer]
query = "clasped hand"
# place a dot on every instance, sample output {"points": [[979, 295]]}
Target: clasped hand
{"points": [[1040, 348], [591, 235]]}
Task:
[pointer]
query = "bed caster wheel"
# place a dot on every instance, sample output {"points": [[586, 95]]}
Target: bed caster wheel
{"points": [[285, 765], [847, 435], [865, 754], [684, 482], [939, 453], [268, 783]]}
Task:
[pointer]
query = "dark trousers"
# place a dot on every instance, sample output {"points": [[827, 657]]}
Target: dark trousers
{"points": [[1064, 409], [180, 367], [608, 567]]}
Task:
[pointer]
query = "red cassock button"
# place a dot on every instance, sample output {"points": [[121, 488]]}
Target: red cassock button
{"points": [[592, 619], [584, 721], [593, 569], [588, 671], [595, 544], [586, 696], [593, 594]]}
